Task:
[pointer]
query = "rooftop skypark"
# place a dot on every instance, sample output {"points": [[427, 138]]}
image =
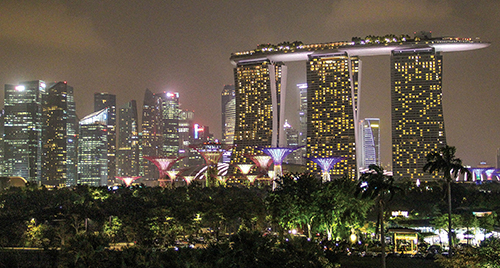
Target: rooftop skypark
{"points": [[368, 46]]}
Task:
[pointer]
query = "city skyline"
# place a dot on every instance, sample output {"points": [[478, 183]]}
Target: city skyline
{"points": [[158, 54]]}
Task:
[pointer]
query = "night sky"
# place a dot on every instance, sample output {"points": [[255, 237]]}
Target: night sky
{"points": [[124, 47]]}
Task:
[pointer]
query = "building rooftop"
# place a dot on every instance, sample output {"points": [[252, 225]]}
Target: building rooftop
{"points": [[368, 46]]}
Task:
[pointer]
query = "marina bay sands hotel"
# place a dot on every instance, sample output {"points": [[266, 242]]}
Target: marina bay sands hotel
{"points": [[334, 91]]}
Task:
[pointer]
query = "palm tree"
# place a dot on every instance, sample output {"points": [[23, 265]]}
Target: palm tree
{"points": [[379, 187], [444, 160]]}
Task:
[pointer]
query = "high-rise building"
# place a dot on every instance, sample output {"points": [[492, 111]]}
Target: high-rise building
{"points": [[417, 110], [59, 138], [260, 105], [332, 95], [152, 134], [302, 113], [102, 101], [228, 110], [332, 111], [93, 149], [170, 112], [370, 138], [2, 117], [23, 130], [128, 161], [292, 141]]}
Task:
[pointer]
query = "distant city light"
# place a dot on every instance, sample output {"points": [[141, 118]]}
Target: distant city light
{"points": [[20, 88]]}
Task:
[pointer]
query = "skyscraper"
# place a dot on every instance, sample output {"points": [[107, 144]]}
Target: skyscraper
{"points": [[101, 101], [59, 136], [128, 162], [292, 141], [93, 149], [260, 97], [417, 110], [152, 134], [170, 112], [370, 138], [331, 111], [23, 130], [228, 110]]}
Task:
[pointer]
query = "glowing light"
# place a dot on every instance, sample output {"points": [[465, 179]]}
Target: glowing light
{"points": [[326, 164], [20, 88], [188, 179], [128, 180], [252, 178], [353, 237], [277, 154], [245, 168]]}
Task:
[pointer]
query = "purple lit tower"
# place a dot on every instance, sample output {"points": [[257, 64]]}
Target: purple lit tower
{"points": [[128, 180], [326, 164], [164, 164], [278, 154]]}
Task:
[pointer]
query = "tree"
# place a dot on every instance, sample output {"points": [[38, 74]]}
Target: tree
{"points": [[444, 160], [377, 186]]}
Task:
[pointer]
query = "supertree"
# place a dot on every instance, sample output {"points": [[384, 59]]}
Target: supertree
{"points": [[128, 180], [164, 164], [326, 164], [245, 170], [211, 152], [278, 154]]}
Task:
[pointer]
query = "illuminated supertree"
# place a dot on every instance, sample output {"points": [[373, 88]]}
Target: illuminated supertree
{"points": [[219, 172], [478, 173], [211, 152], [262, 162], [128, 180], [278, 154], [245, 170], [326, 164], [164, 164]]}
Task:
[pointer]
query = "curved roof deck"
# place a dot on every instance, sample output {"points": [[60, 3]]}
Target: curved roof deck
{"points": [[302, 52]]}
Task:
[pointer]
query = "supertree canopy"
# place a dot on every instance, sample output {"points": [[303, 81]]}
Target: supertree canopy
{"points": [[278, 154], [128, 180], [478, 173], [163, 164], [326, 164]]}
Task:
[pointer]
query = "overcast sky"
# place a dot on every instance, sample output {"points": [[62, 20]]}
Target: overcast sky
{"points": [[124, 47]]}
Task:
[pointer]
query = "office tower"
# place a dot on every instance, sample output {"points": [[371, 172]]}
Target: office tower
{"points": [[186, 139], [128, 161], [370, 138], [2, 117], [170, 111], [292, 141], [23, 130], [332, 111], [93, 149], [260, 104], [152, 134], [417, 110], [228, 109], [302, 113], [102, 101], [59, 138]]}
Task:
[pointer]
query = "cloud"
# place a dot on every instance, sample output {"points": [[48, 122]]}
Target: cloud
{"points": [[381, 11], [48, 24]]}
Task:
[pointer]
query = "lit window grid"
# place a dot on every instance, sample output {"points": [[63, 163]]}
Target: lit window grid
{"points": [[417, 120], [330, 115], [254, 114]]}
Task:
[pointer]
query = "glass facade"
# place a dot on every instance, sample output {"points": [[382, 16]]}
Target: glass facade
{"points": [[93, 149], [23, 130], [128, 164], [370, 138], [102, 101], [59, 136]]}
